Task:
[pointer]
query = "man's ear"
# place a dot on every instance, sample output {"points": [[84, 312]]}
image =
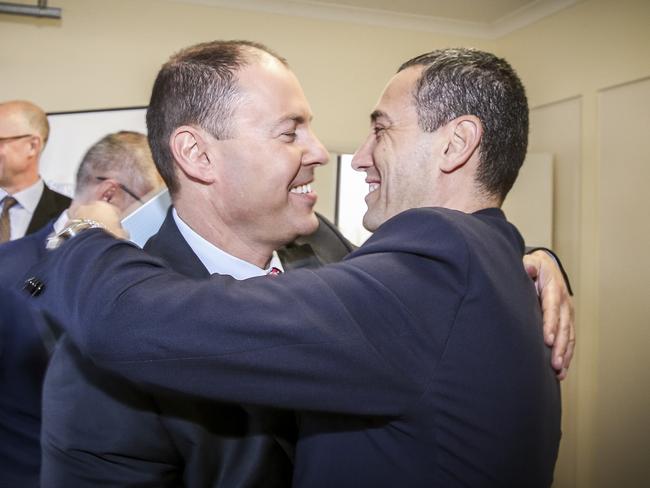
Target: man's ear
{"points": [[464, 137], [35, 146], [106, 190], [189, 146]]}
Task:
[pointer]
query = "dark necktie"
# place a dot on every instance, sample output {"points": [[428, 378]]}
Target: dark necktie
{"points": [[5, 223]]}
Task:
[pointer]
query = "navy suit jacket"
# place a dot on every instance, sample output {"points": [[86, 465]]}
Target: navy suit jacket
{"points": [[25, 344], [19, 255], [99, 429], [418, 361]]}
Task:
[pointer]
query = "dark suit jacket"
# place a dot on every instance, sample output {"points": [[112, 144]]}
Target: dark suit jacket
{"points": [[19, 255], [25, 344], [432, 328], [49, 207], [140, 439]]}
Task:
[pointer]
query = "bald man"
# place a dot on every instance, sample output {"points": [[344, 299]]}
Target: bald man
{"points": [[26, 203]]}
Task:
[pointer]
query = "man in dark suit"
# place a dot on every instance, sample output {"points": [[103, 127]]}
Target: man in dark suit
{"points": [[161, 439], [419, 360], [115, 169], [26, 203]]}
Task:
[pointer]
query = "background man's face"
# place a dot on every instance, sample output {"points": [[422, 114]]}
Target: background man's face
{"points": [[266, 168], [14, 153], [397, 155]]}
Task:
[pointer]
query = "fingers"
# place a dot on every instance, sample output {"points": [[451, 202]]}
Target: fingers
{"points": [[103, 213], [119, 233], [564, 345], [562, 341], [568, 320], [551, 314], [557, 309], [532, 266]]}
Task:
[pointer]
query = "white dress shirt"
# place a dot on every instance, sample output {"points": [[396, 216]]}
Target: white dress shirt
{"points": [[60, 222], [217, 261], [20, 215]]}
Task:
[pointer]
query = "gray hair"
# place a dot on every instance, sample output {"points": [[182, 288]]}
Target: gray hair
{"points": [[124, 156]]}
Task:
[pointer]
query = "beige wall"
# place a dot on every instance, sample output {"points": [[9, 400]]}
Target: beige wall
{"points": [[575, 55], [106, 53], [547, 137], [623, 407]]}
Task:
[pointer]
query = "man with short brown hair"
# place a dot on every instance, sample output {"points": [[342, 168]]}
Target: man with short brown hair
{"points": [[230, 132]]}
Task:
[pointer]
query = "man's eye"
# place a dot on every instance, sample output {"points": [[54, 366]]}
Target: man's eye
{"points": [[290, 136], [378, 131]]}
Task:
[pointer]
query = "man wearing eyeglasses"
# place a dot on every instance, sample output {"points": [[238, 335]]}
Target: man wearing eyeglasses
{"points": [[26, 203], [119, 170]]}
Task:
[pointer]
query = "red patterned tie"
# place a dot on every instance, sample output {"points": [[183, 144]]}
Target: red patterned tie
{"points": [[274, 272], [5, 223]]}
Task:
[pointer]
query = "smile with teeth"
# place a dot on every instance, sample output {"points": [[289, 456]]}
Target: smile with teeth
{"points": [[300, 189], [373, 187]]}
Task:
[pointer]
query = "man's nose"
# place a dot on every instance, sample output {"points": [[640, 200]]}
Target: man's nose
{"points": [[362, 159], [316, 153]]}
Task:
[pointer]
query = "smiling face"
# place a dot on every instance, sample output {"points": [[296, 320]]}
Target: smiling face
{"points": [[397, 156], [265, 170]]}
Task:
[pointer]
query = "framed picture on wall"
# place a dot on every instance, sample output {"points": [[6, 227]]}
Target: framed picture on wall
{"points": [[351, 189], [72, 134]]}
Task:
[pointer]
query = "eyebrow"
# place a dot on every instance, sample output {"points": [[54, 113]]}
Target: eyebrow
{"points": [[378, 114], [298, 119]]}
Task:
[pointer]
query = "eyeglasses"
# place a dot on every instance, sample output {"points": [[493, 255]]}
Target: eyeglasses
{"points": [[123, 187], [14, 138]]}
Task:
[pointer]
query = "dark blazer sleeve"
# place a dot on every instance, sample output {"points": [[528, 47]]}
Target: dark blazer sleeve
{"points": [[307, 340]]}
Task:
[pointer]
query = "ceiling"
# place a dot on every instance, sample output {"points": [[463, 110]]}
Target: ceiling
{"points": [[476, 18], [487, 11]]}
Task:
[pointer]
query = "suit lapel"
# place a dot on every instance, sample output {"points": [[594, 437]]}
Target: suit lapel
{"points": [[169, 245], [50, 205], [295, 256], [326, 245]]}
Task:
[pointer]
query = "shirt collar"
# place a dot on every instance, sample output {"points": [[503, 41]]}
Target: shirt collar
{"points": [[27, 198], [217, 261], [59, 224]]}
